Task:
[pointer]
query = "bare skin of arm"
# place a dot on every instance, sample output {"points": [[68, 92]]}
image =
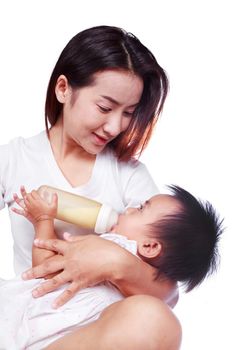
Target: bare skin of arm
{"points": [[130, 318], [89, 260], [145, 283], [41, 214]]}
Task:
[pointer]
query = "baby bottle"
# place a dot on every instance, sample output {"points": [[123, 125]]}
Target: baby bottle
{"points": [[81, 211]]}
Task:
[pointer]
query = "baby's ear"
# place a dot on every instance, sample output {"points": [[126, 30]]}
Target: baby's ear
{"points": [[150, 248]]}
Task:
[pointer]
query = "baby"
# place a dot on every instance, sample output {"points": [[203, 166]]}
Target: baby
{"points": [[174, 232]]}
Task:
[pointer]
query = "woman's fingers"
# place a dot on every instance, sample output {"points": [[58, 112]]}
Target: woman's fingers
{"points": [[51, 265], [69, 238], [54, 283], [51, 284], [66, 295], [56, 245], [80, 263]]}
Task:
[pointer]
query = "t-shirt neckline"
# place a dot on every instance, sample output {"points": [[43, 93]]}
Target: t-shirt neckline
{"points": [[58, 176]]}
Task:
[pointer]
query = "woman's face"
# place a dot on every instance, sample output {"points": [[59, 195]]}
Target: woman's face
{"points": [[95, 115]]}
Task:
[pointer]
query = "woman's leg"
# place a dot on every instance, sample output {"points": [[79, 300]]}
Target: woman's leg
{"points": [[135, 323]]}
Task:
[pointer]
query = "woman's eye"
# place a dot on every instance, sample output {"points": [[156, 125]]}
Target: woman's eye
{"points": [[128, 114], [104, 109]]}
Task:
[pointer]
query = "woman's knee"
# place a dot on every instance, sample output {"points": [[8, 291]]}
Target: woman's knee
{"points": [[146, 322]]}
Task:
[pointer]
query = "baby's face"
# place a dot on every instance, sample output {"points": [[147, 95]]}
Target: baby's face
{"points": [[133, 223]]}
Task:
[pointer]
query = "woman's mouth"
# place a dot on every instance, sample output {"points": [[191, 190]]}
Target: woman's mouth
{"points": [[99, 140]]}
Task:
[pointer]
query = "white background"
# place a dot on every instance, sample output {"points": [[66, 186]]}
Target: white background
{"points": [[193, 145]]}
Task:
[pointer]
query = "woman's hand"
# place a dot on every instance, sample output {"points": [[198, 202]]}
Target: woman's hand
{"points": [[83, 261]]}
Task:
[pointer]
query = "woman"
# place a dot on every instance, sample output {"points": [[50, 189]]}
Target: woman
{"points": [[104, 96]]}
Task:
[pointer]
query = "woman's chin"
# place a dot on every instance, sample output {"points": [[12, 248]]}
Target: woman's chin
{"points": [[92, 149]]}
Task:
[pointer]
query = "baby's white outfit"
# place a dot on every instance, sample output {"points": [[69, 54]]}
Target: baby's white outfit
{"points": [[32, 324]]}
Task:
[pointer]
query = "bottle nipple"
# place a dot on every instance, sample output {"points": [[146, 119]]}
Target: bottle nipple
{"points": [[107, 217]]}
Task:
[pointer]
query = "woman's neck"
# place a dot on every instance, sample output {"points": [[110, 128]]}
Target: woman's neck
{"points": [[64, 147], [74, 162]]}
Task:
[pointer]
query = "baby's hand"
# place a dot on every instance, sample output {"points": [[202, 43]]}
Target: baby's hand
{"points": [[34, 208]]}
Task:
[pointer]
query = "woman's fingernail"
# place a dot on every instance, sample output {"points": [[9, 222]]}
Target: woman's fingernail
{"points": [[24, 275], [54, 305], [35, 293], [36, 241]]}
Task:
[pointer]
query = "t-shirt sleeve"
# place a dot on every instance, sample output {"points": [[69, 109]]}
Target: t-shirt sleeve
{"points": [[139, 186], [4, 159]]}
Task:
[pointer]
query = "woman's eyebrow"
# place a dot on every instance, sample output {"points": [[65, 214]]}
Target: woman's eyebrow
{"points": [[116, 102]]}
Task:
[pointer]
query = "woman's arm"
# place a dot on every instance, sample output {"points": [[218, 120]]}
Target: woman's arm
{"points": [[41, 214], [133, 276], [89, 260]]}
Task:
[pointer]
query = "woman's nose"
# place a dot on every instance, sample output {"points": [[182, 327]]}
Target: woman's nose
{"points": [[113, 125]]}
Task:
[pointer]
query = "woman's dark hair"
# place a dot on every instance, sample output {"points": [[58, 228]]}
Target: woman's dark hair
{"points": [[105, 47], [189, 240]]}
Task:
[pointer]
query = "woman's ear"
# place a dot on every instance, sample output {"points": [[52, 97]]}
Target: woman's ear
{"points": [[62, 89], [150, 248]]}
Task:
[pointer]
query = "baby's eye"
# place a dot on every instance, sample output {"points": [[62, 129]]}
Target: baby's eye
{"points": [[140, 207]]}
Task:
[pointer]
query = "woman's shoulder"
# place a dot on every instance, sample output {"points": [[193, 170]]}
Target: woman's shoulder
{"points": [[132, 178], [20, 139], [7, 148], [19, 151], [133, 165], [18, 143]]}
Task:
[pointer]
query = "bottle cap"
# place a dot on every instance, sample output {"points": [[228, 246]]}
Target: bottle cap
{"points": [[107, 217]]}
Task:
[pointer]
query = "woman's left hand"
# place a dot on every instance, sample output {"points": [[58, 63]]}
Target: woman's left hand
{"points": [[83, 261]]}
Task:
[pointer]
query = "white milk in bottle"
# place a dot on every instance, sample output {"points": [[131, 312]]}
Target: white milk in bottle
{"points": [[81, 211]]}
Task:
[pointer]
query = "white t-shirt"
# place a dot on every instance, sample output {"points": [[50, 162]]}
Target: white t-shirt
{"points": [[30, 162]]}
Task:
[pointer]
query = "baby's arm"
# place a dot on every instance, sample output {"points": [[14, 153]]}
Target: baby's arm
{"points": [[41, 214]]}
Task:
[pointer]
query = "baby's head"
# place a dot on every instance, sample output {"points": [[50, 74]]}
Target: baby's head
{"points": [[176, 233]]}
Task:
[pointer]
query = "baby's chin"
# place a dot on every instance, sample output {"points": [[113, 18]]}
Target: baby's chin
{"points": [[114, 228]]}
